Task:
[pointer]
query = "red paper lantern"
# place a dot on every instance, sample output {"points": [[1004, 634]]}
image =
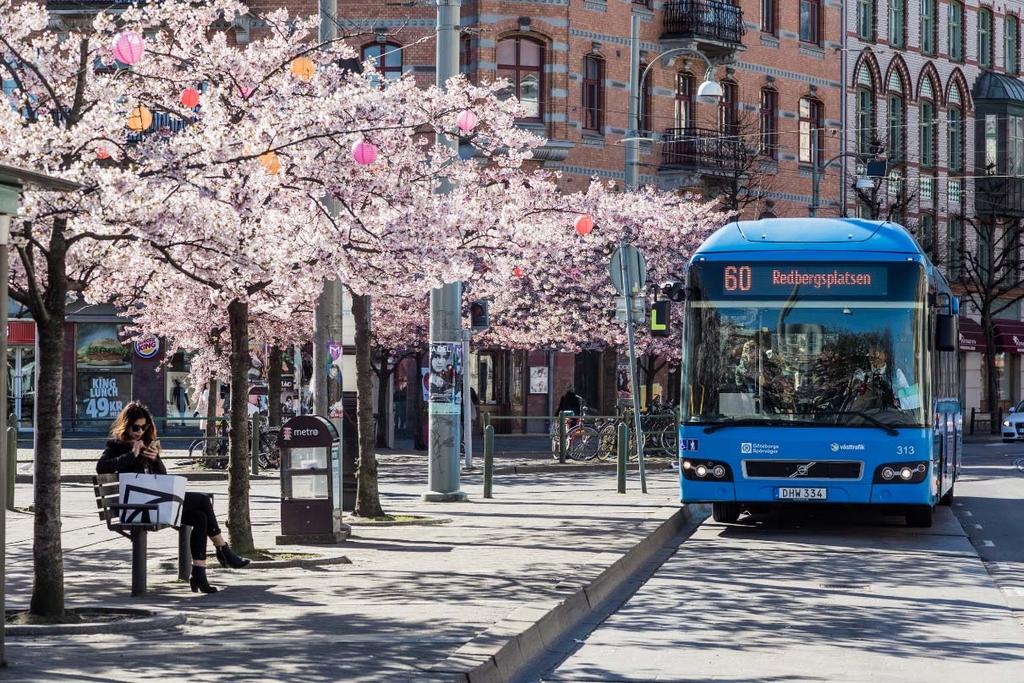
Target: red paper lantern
{"points": [[467, 121], [190, 98], [364, 153], [102, 153], [584, 224], [128, 47], [517, 271]]}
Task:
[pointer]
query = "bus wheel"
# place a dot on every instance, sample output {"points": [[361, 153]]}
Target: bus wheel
{"points": [[725, 513], [919, 516], [947, 499]]}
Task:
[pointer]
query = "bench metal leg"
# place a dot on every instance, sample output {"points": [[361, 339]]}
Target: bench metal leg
{"points": [[184, 552], [138, 562]]}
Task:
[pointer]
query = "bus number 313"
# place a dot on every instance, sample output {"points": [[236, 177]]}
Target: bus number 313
{"points": [[737, 278]]}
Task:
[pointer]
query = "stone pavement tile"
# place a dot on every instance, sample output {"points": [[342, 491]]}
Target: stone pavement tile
{"points": [[415, 597]]}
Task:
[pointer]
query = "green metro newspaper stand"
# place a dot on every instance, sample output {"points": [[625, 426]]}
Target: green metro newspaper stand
{"points": [[311, 490]]}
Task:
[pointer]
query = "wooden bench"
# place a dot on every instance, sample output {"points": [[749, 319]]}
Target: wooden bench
{"points": [[107, 490]]}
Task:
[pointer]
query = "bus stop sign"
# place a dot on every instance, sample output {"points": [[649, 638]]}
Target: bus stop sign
{"points": [[635, 264]]}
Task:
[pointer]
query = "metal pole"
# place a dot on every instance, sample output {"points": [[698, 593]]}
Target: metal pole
{"points": [[6, 454], [843, 115], [563, 441], [622, 447], [815, 188], [446, 301], [12, 466], [488, 461], [627, 283], [467, 403], [632, 144]]}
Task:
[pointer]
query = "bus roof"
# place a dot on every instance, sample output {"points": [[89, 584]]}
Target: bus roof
{"points": [[818, 234]]}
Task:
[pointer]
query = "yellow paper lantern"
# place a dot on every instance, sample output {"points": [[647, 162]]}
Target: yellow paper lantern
{"points": [[303, 68], [140, 119], [271, 163]]}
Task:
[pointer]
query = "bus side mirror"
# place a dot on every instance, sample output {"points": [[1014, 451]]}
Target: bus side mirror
{"points": [[945, 332]]}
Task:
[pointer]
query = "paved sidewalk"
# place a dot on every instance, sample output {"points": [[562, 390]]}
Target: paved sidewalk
{"points": [[412, 597]]}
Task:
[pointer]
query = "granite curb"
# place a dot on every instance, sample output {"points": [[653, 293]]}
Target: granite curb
{"points": [[191, 476], [579, 467], [148, 620], [508, 649]]}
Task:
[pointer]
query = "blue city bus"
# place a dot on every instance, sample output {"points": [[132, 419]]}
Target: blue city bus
{"points": [[820, 366]]}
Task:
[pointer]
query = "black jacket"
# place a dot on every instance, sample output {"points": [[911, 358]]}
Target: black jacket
{"points": [[570, 402], [117, 458]]}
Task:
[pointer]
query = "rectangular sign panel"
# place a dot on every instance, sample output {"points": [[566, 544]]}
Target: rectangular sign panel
{"points": [[760, 280]]}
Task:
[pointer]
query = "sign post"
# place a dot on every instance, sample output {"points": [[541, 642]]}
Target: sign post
{"points": [[628, 271]]}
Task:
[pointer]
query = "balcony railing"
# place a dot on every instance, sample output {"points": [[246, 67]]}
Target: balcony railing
{"points": [[708, 19], [999, 196], [702, 149]]}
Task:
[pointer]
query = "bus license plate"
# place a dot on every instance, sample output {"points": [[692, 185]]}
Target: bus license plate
{"points": [[793, 493]]}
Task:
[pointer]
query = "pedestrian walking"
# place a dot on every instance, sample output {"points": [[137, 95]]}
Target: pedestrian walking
{"points": [[133, 447]]}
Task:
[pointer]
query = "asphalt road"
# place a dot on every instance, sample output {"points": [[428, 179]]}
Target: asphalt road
{"points": [[834, 595]]}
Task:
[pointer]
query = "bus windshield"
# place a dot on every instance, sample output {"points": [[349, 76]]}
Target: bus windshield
{"points": [[805, 344]]}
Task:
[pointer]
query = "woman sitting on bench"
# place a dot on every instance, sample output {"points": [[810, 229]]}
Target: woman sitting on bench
{"points": [[133, 448]]}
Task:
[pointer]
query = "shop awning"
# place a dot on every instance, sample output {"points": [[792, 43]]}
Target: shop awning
{"points": [[972, 336], [1009, 335], [21, 332]]}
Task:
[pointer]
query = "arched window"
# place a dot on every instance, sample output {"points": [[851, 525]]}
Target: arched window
{"points": [[686, 86], [521, 61], [865, 109], [812, 135], [928, 126], [593, 92], [955, 129], [896, 119], [769, 118], [646, 99], [387, 58]]}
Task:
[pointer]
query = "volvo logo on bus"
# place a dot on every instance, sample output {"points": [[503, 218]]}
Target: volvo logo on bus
{"points": [[802, 470]]}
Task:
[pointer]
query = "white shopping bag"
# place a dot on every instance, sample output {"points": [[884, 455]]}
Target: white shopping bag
{"points": [[163, 490]]}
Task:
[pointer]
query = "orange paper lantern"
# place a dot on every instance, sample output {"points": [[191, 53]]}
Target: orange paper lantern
{"points": [[303, 68], [271, 163], [140, 119]]}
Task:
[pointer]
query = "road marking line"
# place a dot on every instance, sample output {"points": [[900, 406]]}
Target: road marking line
{"points": [[988, 544], [1013, 590], [978, 526], [959, 505], [968, 513]]}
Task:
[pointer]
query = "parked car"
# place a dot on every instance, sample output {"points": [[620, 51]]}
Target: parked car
{"points": [[1013, 424]]}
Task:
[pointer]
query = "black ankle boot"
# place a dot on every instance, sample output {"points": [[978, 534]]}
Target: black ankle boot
{"points": [[198, 581], [227, 558]]}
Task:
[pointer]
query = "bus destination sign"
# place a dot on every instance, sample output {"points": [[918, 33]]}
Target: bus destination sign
{"points": [[813, 280]]}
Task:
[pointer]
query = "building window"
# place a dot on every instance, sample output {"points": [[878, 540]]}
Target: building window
{"points": [[955, 25], [896, 120], [954, 246], [866, 19], [466, 55], [727, 109], [927, 123], [955, 138], [646, 99], [985, 38], [928, 26], [1011, 44], [865, 110], [812, 135], [897, 22], [685, 86], [927, 236], [1015, 145], [387, 58], [769, 116], [769, 15], [521, 61], [593, 92], [810, 21], [991, 144]]}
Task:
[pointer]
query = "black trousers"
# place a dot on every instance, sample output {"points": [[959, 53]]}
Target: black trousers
{"points": [[197, 512]]}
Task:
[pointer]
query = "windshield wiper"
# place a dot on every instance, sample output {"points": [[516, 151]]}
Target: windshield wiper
{"points": [[755, 422], [888, 428]]}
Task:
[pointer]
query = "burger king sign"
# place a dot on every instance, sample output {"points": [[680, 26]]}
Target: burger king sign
{"points": [[147, 346]]}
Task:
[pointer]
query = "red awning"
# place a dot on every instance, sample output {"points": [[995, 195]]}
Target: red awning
{"points": [[1009, 335], [972, 336], [21, 332]]}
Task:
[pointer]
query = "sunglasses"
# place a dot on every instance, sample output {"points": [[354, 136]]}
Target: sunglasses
{"points": [[139, 428]]}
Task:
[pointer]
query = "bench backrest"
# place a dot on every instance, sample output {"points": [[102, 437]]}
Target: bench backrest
{"points": [[107, 490]]}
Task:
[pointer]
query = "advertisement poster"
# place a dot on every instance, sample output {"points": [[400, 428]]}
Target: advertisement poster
{"points": [[103, 365], [539, 380], [425, 383], [99, 346], [101, 395], [445, 377], [622, 382]]}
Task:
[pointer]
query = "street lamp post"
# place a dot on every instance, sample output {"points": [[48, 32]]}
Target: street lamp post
{"points": [[863, 182]]}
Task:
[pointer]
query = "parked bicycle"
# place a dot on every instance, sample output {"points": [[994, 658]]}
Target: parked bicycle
{"points": [[269, 454]]}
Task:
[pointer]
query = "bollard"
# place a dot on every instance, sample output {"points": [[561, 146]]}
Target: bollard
{"points": [[254, 443], [563, 444], [11, 464], [488, 460], [620, 464]]}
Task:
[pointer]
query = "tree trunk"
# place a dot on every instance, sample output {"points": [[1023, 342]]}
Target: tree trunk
{"points": [[48, 587], [383, 412], [274, 386], [212, 401], [991, 381], [239, 524], [367, 494]]}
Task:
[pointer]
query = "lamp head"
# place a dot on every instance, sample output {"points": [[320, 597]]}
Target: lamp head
{"points": [[864, 183], [710, 91]]}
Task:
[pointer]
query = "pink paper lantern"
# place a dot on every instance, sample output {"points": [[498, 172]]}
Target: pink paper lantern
{"points": [[190, 97], [364, 153], [467, 121], [128, 47], [584, 224], [517, 271], [245, 92]]}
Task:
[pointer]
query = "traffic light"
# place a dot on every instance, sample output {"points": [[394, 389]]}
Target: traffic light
{"points": [[479, 315], [661, 319]]}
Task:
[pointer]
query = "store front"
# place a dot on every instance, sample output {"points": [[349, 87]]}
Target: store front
{"points": [[21, 372], [1009, 346]]}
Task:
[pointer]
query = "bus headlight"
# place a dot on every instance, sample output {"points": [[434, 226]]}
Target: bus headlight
{"points": [[706, 470], [901, 473]]}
